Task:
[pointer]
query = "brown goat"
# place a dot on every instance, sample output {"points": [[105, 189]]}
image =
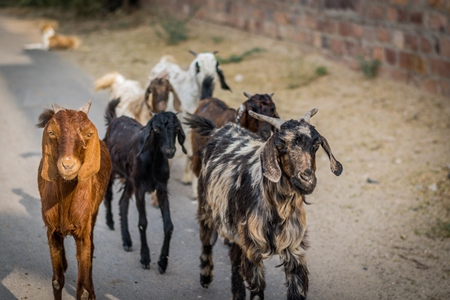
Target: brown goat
{"points": [[73, 175], [217, 111], [159, 89]]}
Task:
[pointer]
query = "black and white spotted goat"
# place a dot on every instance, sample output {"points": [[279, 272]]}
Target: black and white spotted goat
{"points": [[252, 192]]}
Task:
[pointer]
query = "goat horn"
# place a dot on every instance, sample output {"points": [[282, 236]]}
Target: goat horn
{"points": [[193, 53], [273, 121], [247, 95], [309, 114], [85, 108], [57, 108], [271, 95]]}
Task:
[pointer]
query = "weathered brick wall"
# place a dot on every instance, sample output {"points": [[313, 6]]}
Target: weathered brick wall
{"points": [[410, 37]]}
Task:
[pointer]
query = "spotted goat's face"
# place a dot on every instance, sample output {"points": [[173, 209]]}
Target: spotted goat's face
{"points": [[291, 152]]}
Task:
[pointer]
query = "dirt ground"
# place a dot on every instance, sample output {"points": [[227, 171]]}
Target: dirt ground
{"points": [[385, 221]]}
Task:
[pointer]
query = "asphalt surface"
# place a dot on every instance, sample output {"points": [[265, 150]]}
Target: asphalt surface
{"points": [[31, 81]]}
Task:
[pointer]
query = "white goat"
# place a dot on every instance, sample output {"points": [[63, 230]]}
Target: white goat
{"points": [[191, 85]]}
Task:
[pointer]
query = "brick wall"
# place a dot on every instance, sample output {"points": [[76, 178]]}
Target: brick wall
{"points": [[410, 37]]}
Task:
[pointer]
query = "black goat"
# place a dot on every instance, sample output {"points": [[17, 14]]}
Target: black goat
{"points": [[252, 192], [139, 156]]}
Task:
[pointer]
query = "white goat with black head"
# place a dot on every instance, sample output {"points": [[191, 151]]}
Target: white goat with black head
{"points": [[191, 85], [252, 192]]}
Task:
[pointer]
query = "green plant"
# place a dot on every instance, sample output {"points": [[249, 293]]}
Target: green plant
{"points": [[301, 73], [174, 29], [369, 66], [234, 58]]}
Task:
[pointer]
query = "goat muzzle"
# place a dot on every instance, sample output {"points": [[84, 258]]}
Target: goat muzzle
{"points": [[305, 181]]}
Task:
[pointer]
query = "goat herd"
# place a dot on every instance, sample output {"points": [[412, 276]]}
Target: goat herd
{"points": [[250, 171]]}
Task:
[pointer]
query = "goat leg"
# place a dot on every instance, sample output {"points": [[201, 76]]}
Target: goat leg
{"points": [[59, 262], [237, 282], [253, 272], [296, 276], [108, 200], [206, 231], [163, 200], [142, 225], [85, 253], [124, 203]]}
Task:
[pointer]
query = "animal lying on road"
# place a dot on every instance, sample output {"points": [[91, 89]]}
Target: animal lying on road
{"points": [[53, 41], [252, 192], [73, 175]]}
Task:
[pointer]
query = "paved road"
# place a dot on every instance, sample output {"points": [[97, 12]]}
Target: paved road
{"points": [[29, 82]]}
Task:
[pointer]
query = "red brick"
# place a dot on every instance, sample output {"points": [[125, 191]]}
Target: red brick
{"points": [[440, 67], [439, 4], [400, 2], [399, 75], [411, 42], [391, 14], [327, 26], [425, 45], [415, 17], [444, 43], [280, 18], [345, 29], [375, 12], [391, 56], [412, 62], [430, 85], [378, 53], [369, 34], [398, 39], [445, 87], [310, 22], [402, 15], [337, 46], [437, 21], [383, 35], [357, 31], [353, 49]]}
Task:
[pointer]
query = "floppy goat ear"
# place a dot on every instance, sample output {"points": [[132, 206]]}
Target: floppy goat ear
{"points": [[92, 158], [335, 166], [223, 84], [181, 138], [269, 161], [148, 102], [49, 170], [176, 100], [143, 143], [240, 112]]}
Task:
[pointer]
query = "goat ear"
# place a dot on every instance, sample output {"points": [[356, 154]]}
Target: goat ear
{"points": [[181, 138], [335, 166], [48, 169], [223, 84], [269, 161], [142, 142], [176, 100], [92, 158], [148, 102], [240, 112]]}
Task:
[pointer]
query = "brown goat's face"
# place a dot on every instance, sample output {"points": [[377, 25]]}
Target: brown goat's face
{"points": [[261, 104], [69, 135], [297, 143], [159, 89]]}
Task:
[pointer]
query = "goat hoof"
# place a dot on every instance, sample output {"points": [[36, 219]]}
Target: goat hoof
{"points": [[205, 280], [127, 248], [162, 266], [85, 295], [146, 266]]}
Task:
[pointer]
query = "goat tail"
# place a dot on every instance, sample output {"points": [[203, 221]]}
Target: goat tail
{"points": [[199, 124], [108, 80], [110, 113]]}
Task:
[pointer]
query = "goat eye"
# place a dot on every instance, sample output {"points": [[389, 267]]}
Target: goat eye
{"points": [[155, 129], [51, 134], [197, 68], [88, 135]]}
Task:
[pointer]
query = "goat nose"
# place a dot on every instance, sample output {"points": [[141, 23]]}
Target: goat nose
{"points": [[67, 165], [306, 175]]}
